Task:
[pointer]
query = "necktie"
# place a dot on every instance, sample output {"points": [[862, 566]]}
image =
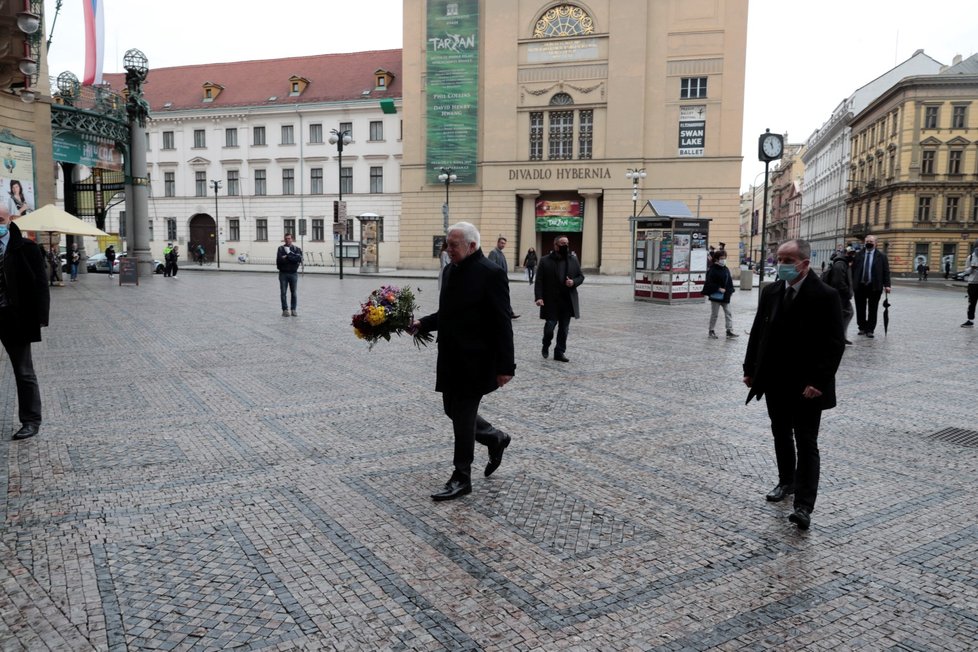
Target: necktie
{"points": [[867, 265], [789, 296]]}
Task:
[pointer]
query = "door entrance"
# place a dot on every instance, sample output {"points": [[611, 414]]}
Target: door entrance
{"points": [[202, 232]]}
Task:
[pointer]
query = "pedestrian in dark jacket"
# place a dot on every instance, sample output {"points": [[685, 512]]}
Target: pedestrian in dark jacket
{"points": [[839, 276], [794, 351], [719, 288], [530, 264], [287, 260], [110, 258], [475, 352], [24, 306], [558, 275]]}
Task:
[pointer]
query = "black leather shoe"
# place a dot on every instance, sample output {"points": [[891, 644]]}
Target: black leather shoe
{"points": [[496, 455], [801, 517], [870, 335], [453, 489], [545, 351], [560, 357], [26, 431], [780, 492], [514, 316]]}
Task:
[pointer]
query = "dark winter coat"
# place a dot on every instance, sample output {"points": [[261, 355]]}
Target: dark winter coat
{"points": [[839, 276], [27, 294], [796, 346], [475, 330], [550, 287], [288, 258], [718, 276]]}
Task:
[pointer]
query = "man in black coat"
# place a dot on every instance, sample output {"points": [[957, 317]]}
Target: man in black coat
{"points": [[475, 351], [24, 306], [555, 290], [794, 351], [871, 277]]}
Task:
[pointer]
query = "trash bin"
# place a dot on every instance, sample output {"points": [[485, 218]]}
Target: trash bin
{"points": [[746, 279]]}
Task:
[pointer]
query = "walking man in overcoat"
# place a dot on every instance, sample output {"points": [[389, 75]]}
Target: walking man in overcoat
{"points": [[871, 277], [555, 289], [794, 351], [475, 352], [24, 306]]}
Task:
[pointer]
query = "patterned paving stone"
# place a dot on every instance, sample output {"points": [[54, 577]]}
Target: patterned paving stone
{"points": [[211, 475]]}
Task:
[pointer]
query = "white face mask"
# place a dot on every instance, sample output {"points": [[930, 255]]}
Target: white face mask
{"points": [[722, 262]]}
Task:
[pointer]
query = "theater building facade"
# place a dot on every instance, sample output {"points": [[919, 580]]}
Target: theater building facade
{"points": [[539, 109]]}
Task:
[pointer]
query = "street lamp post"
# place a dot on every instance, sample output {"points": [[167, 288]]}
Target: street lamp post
{"points": [[448, 177], [217, 225], [636, 175], [340, 138]]}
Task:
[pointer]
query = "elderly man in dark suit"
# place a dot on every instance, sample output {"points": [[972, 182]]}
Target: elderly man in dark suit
{"points": [[555, 290], [475, 351], [794, 351], [24, 305], [871, 277]]}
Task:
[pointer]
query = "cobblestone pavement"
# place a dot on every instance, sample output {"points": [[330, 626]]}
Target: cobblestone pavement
{"points": [[211, 475]]}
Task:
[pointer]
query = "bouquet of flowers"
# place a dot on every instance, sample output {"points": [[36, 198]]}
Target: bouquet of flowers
{"points": [[388, 311]]}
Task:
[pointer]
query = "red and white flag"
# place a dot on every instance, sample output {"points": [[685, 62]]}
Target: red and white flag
{"points": [[94, 41]]}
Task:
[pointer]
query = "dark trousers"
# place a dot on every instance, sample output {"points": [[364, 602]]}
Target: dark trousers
{"points": [[867, 305], [846, 316], [972, 300], [28, 391], [468, 428], [794, 423], [562, 325], [288, 280]]}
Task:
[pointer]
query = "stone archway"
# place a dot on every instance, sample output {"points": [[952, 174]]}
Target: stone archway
{"points": [[203, 230]]}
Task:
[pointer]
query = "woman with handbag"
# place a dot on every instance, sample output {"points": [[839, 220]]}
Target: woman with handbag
{"points": [[718, 288]]}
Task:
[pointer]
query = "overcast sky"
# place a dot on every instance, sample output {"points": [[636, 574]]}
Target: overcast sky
{"points": [[803, 58]]}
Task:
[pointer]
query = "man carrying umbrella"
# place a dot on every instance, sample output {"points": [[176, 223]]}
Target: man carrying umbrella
{"points": [[24, 305], [871, 274]]}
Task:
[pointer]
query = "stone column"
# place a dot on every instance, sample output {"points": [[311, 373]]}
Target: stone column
{"points": [[528, 223], [590, 244]]}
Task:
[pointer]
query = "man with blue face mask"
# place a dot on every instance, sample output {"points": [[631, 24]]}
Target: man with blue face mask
{"points": [[794, 351], [24, 305]]}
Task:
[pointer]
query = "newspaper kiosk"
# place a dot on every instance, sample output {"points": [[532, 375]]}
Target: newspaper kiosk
{"points": [[669, 253], [369, 243]]}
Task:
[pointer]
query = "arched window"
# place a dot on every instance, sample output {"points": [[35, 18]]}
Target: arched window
{"points": [[563, 20], [561, 99]]}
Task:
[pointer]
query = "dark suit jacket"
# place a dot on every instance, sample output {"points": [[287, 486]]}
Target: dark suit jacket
{"points": [[880, 274], [549, 286], [28, 297], [798, 345], [475, 331]]}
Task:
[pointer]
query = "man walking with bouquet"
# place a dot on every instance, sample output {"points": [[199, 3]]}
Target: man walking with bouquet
{"points": [[475, 352]]}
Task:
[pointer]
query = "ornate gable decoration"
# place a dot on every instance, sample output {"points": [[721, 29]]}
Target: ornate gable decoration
{"points": [[562, 21]]}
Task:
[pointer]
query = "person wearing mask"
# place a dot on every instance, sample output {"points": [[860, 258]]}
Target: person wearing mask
{"points": [[555, 290], [719, 288], [871, 275], [25, 301], [475, 352], [793, 353]]}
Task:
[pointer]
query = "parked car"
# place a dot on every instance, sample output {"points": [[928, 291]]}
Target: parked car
{"points": [[962, 275], [97, 263]]}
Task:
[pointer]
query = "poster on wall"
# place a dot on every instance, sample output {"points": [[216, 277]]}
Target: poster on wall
{"points": [[452, 78], [562, 215], [692, 130], [680, 252], [17, 176]]}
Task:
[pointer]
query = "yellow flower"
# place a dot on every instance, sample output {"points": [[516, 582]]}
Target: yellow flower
{"points": [[376, 315], [360, 335]]}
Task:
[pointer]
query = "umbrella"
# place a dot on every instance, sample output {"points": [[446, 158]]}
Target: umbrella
{"points": [[886, 314], [51, 219]]}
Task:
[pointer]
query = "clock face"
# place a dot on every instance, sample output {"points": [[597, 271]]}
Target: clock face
{"points": [[772, 146]]}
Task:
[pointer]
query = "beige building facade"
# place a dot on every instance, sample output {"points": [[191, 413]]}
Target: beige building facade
{"points": [[542, 107], [914, 170]]}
